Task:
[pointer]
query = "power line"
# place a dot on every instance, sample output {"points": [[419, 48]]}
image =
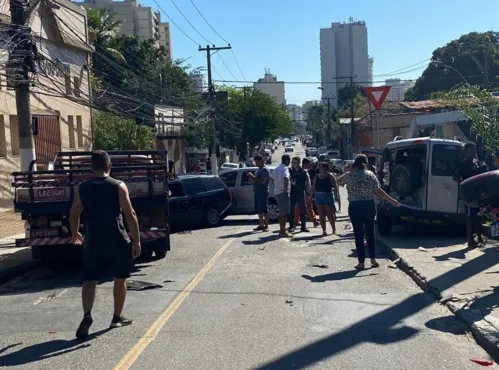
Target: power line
{"points": [[219, 35], [333, 82], [402, 69], [208, 23], [187, 20], [176, 25]]}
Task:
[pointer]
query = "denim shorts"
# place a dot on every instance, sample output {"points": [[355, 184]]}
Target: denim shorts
{"points": [[261, 203], [472, 212], [324, 199]]}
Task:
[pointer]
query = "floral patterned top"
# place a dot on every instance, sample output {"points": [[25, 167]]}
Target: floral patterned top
{"points": [[361, 185]]}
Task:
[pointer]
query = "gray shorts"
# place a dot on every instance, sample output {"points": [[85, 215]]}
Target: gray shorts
{"points": [[284, 203]]}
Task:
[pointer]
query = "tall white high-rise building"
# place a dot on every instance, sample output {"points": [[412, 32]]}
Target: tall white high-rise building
{"points": [[398, 89], [165, 38], [198, 82], [136, 20], [344, 54], [269, 85], [371, 71]]}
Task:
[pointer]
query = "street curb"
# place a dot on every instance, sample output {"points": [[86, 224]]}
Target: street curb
{"points": [[12, 272], [484, 331]]}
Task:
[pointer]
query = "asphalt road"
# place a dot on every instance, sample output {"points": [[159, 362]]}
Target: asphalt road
{"points": [[235, 299]]}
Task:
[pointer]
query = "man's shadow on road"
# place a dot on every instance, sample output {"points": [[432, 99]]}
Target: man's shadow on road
{"points": [[335, 276], [45, 350]]}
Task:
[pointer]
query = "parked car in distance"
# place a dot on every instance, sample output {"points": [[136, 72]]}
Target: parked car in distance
{"points": [[289, 148], [243, 202], [311, 152], [198, 199], [230, 166], [333, 154], [321, 150]]}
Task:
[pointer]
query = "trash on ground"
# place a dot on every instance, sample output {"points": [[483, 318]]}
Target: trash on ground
{"points": [[423, 249], [262, 247], [168, 281], [288, 301], [482, 362], [392, 266], [141, 285], [383, 293], [347, 227], [321, 266]]}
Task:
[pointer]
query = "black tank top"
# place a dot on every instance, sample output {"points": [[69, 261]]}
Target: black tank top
{"points": [[103, 218], [323, 185]]}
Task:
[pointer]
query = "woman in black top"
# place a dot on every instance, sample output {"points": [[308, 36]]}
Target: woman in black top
{"points": [[322, 192]]}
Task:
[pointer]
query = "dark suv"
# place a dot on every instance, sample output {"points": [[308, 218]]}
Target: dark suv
{"points": [[198, 199]]}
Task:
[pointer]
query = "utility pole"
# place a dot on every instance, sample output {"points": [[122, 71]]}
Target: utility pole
{"points": [[352, 113], [20, 63], [211, 100]]}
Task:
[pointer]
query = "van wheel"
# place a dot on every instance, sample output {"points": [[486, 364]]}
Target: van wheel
{"points": [[384, 224], [273, 211], [212, 217]]}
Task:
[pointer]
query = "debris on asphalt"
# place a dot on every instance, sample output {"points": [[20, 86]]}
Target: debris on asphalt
{"points": [[482, 362], [383, 293], [347, 227], [168, 281], [262, 247], [52, 332], [320, 266], [423, 249], [289, 301], [141, 285]]}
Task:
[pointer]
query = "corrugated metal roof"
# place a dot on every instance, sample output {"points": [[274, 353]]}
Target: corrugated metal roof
{"points": [[347, 121]]}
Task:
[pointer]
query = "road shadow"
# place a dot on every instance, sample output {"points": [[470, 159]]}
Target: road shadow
{"points": [[51, 279], [377, 328], [447, 324], [307, 238], [45, 350], [336, 276], [261, 240], [460, 254], [242, 234]]}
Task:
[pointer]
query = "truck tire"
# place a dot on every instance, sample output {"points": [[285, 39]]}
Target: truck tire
{"points": [[480, 190], [406, 179]]}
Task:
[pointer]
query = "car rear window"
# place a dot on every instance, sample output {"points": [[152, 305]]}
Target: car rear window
{"points": [[193, 185], [176, 189], [213, 183], [445, 160]]}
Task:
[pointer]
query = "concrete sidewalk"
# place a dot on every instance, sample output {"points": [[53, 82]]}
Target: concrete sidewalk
{"points": [[13, 260], [465, 280]]}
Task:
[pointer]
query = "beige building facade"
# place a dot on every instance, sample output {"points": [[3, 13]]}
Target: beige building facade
{"points": [[60, 95]]}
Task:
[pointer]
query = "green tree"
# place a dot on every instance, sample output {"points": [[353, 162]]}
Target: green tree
{"points": [[102, 30], [481, 107], [345, 95], [113, 132], [248, 118], [473, 58]]}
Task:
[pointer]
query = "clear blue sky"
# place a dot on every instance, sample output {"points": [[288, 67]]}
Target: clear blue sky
{"points": [[283, 35]]}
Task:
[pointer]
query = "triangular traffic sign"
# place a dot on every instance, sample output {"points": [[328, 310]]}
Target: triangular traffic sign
{"points": [[377, 95]]}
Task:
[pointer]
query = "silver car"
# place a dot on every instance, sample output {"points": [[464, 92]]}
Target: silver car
{"points": [[243, 202]]}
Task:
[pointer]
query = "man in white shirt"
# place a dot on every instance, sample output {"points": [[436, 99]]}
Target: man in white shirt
{"points": [[282, 187]]}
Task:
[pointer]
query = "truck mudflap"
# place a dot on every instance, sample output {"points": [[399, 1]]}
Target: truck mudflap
{"points": [[145, 236]]}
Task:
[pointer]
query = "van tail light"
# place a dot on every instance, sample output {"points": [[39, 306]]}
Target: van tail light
{"points": [[230, 194]]}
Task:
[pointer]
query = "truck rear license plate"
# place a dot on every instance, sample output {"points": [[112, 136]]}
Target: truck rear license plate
{"points": [[44, 233], [494, 230], [51, 193]]}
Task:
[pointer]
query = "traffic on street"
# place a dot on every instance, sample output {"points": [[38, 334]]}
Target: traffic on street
{"points": [[234, 298]]}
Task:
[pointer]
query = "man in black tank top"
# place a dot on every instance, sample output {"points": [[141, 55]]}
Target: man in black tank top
{"points": [[107, 246]]}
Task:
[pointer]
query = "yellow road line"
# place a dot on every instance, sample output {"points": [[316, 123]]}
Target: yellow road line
{"points": [[133, 354]]}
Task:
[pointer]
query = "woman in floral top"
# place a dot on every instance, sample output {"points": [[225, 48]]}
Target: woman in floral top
{"points": [[362, 186]]}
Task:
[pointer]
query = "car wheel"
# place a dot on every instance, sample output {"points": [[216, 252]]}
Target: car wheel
{"points": [[212, 217], [273, 211]]}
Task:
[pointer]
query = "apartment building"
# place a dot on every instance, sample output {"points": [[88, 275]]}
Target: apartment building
{"points": [[165, 38], [60, 93], [398, 89], [136, 20], [344, 53], [271, 86]]}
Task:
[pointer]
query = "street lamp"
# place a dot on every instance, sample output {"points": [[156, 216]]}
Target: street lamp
{"points": [[438, 62]]}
